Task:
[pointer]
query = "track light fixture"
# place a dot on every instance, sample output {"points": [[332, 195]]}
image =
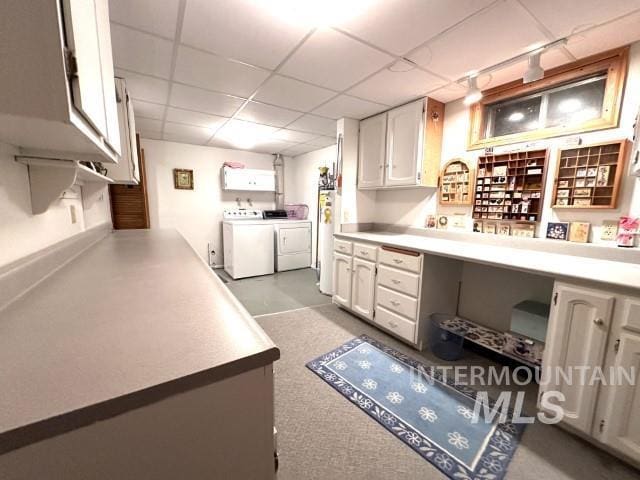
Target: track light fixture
{"points": [[534, 70], [473, 92]]}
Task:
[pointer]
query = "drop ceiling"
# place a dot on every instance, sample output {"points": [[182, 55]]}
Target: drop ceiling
{"points": [[196, 68]]}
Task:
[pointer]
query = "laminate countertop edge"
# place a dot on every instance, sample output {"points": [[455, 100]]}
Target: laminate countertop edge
{"points": [[137, 318], [556, 265]]}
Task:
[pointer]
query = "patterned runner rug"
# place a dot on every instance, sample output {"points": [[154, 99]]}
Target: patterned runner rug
{"points": [[429, 413]]}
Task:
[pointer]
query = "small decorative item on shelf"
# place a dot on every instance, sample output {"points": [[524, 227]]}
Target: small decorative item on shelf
{"points": [[456, 183], [557, 230], [182, 179], [523, 229], [489, 227], [504, 228], [589, 176], [430, 221], [510, 186], [443, 222], [458, 220], [579, 232], [628, 228], [609, 230], [477, 226]]}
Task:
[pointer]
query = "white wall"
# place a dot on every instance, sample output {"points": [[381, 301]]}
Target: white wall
{"points": [[197, 213], [410, 207], [21, 232], [301, 183]]}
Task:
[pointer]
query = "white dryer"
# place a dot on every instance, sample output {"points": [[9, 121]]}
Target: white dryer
{"points": [[293, 244]]}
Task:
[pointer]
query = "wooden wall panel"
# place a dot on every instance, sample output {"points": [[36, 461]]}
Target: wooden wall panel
{"points": [[129, 204]]}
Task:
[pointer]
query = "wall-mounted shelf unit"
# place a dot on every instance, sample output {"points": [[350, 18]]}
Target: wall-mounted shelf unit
{"points": [[456, 183], [510, 186], [48, 179], [589, 176]]}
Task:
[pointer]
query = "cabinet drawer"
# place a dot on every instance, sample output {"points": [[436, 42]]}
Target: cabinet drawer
{"points": [[343, 246], [406, 261], [397, 302], [395, 323], [362, 250], [400, 280]]}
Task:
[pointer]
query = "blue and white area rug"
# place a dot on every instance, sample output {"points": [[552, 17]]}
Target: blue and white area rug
{"points": [[429, 413]]}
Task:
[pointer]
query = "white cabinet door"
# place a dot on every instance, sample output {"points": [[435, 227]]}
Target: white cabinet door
{"points": [[133, 142], [404, 144], [83, 39], [264, 181], [622, 422], [342, 279], [578, 328], [126, 171], [371, 152], [362, 289]]}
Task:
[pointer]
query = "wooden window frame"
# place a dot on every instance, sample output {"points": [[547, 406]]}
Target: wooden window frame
{"points": [[613, 62]]}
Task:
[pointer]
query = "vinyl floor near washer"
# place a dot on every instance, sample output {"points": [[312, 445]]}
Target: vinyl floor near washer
{"points": [[279, 292]]}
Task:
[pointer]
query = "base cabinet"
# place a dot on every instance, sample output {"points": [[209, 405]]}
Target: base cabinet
{"points": [[342, 279], [362, 287]]}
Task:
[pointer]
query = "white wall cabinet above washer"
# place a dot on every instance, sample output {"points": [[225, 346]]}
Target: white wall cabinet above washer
{"points": [[58, 94], [248, 179], [127, 171]]}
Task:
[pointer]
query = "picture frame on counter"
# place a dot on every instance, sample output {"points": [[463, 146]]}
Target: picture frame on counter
{"points": [[579, 232], [523, 230], [609, 230], [443, 222], [477, 226], [489, 227], [557, 230], [504, 228]]}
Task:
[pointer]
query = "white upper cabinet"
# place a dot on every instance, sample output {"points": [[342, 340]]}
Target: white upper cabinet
{"points": [[58, 94], [372, 151], [401, 148], [127, 171], [248, 179], [404, 144], [579, 325]]}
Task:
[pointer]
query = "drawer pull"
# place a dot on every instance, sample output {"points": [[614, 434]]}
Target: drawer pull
{"points": [[363, 252], [393, 324], [395, 281], [397, 260], [341, 247], [395, 303], [598, 321]]}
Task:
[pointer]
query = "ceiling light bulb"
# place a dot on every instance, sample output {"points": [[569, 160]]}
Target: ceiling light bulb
{"points": [[473, 93], [516, 116], [570, 105], [534, 70]]}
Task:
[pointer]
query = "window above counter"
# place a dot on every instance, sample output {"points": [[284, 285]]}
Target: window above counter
{"points": [[578, 97]]}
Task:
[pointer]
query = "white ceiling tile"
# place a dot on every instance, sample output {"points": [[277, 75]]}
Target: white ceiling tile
{"points": [[289, 93], [314, 124], [216, 73], [148, 15], [148, 110], [293, 136], [394, 88], [240, 29], [400, 25], [150, 135], [148, 124], [142, 87], [322, 142], [569, 16], [605, 37], [448, 93], [267, 114], [176, 132], [272, 146], [496, 34], [333, 60], [140, 52], [299, 149], [350, 107], [196, 99], [241, 131], [198, 119]]}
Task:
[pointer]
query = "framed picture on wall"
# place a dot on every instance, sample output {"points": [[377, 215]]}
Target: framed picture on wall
{"points": [[182, 179]]}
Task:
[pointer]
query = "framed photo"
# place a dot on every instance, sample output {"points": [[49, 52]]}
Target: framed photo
{"points": [[562, 202], [592, 171], [579, 232], [582, 202], [430, 222], [557, 230], [582, 192], [525, 230], [563, 184], [590, 182], [182, 179], [563, 193], [602, 179], [443, 222], [609, 230], [489, 227], [504, 229], [581, 182], [582, 172]]}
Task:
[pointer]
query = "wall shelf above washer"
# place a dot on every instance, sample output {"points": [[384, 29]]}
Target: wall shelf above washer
{"points": [[48, 178]]}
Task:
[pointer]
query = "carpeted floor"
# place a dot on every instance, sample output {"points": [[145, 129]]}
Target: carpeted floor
{"points": [[323, 436]]}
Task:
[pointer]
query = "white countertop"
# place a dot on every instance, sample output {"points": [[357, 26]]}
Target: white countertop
{"points": [[137, 317], [270, 221], [555, 265]]}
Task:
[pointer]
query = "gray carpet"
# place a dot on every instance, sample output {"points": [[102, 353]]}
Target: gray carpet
{"points": [[323, 436], [277, 293]]}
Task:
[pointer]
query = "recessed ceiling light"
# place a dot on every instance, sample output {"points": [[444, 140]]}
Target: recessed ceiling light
{"points": [[243, 134], [473, 93], [516, 116], [315, 13]]}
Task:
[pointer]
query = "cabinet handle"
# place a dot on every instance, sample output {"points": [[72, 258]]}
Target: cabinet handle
{"points": [[395, 281], [598, 321], [362, 252], [393, 324], [397, 260]]}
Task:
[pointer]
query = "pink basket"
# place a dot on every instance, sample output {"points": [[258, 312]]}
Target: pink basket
{"points": [[297, 211]]}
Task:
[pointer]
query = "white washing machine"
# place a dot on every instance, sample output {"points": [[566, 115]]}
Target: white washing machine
{"points": [[293, 244], [248, 244]]}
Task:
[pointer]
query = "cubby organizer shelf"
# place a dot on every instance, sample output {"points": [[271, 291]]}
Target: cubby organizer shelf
{"points": [[589, 176], [456, 183], [510, 186], [49, 178]]}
